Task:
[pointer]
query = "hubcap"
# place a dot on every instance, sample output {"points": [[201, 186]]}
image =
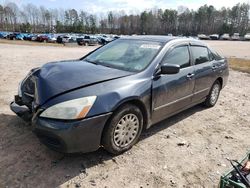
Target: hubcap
{"points": [[126, 130], [215, 93]]}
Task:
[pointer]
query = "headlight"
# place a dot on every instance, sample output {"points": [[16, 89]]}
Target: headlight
{"points": [[73, 109]]}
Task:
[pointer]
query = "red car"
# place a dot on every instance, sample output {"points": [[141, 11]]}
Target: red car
{"points": [[42, 38]]}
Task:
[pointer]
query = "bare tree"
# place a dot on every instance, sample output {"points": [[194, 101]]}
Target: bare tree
{"points": [[206, 19]]}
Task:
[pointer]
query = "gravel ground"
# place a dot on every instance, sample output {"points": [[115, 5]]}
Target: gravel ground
{"points": [[209, 137]]}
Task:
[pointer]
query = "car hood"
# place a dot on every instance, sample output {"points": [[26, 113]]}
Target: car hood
{"points": [[56, 78]]}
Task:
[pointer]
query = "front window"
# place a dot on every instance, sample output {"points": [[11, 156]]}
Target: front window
{"points": [[124, 54], [178, 56]]}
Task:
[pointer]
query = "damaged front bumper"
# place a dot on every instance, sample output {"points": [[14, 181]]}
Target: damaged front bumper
{"points": [[22, 111], [65, 136]]}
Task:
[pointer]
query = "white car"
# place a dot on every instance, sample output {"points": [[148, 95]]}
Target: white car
{"points": [[225, 36], [247, 36], [214, 37], [68, 39], [235, 36], [203, 37]]}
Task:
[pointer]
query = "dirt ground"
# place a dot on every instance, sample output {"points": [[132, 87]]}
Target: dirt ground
{"points": [[210, 136], [232, 49]]}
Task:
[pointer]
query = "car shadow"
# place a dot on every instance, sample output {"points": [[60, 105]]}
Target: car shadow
{"points": [[171, 121], [24, 161]]}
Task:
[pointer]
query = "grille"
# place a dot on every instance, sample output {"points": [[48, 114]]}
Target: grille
{"points": [[28, 91]]}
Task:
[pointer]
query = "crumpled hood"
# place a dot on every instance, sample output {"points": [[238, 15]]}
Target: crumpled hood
{"points": [[58, 77]]}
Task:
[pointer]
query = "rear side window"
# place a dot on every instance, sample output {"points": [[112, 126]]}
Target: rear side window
{"points": [[200, 54], [178, 56], [214, 55]]}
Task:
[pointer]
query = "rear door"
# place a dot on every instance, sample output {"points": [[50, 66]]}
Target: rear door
{"points": [[204, 71], [171, 93]]}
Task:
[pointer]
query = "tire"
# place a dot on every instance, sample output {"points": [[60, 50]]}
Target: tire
{"points": [[79, 43], [214, 94], [125, 122]]}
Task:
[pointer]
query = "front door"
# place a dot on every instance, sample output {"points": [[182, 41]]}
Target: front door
{"points": [[171, 93]]}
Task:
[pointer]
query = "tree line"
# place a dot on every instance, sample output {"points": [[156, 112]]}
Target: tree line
{"points": [[206, 19]]}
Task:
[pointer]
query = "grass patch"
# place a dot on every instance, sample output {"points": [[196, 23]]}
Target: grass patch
{"points": [[242, 65]]}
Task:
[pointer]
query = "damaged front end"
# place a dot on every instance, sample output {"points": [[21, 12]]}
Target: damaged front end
{"points": [[24, 103]]}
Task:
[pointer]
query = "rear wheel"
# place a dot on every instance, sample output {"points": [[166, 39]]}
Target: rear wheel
{"points": [[123, 130], [213, 94]]}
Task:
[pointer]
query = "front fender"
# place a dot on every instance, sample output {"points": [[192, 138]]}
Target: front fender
{"points": [[110, 95]]}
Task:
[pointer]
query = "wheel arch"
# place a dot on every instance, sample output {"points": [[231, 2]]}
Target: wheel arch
{"points": [[137, 102], [220, 80], [132, 101]]}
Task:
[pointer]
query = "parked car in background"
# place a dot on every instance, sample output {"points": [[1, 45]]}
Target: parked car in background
{"points": [[109, 96], [203, 37], [12, 36], [28, 36], [225, 36], [247, 36], [104, 40], [34, 37], [20, 36], [52, 38], [235, 36], [69, 39], [3, 35], [193, 37], [214, 37], [42, 38], [87, 40], [59, 39]]}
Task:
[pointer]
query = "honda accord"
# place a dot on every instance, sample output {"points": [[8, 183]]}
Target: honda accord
{"points": [[108, 97]]}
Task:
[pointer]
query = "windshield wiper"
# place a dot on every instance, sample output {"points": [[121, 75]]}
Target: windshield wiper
{"points": [[93, 62], [104, 64], [98, 62]]}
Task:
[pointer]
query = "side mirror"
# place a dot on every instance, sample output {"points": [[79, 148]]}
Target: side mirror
{"points": [[170, 69]]}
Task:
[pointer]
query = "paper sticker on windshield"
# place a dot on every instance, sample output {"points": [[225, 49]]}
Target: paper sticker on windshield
{"points": [[150, 46]]}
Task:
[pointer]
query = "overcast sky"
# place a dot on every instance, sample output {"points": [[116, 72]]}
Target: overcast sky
{"points": [[98, 6]]}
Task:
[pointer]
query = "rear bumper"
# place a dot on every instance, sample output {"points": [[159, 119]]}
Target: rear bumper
{"points": [[67, 136]]}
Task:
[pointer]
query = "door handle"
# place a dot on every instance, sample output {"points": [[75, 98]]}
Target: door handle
{"points": [[190, 75]]}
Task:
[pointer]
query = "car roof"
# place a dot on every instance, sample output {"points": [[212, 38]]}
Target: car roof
{"points": [[165, 39], [155, 38]]}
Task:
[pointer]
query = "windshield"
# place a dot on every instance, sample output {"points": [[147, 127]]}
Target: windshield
{"points": [[129, 55]]}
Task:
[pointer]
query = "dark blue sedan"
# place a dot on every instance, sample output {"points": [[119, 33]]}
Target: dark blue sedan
{"points": [[110, 95]]}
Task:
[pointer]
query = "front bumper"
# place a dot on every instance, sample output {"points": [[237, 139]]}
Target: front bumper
{"points": [[68, 136], [22, 111]]}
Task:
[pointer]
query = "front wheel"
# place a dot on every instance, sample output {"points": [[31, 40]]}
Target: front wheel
{"points": [[123, 129], [213, 94]]}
